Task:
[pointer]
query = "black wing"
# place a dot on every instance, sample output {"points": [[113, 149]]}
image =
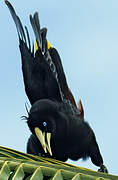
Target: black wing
{"points": [[39, 72], [66, 92], [43, 73], [53, 59], [61, 75]]}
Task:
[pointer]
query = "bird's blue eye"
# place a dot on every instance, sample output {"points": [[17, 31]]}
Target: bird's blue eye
{"points": [[44, 124]]}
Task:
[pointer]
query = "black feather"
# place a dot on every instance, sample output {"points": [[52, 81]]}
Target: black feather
{"points": [[40, 82], [28, 38], [14, 16], [44, 42], [36, 29]]}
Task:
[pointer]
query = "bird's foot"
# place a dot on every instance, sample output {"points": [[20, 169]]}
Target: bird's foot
{"points": [[103, 169]]}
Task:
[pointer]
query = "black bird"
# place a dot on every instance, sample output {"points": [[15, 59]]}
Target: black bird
{"points": [[57, 124]]}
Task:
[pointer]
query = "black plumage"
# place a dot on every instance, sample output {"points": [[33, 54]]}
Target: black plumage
{"points": [[43, 69], [57, 125]]}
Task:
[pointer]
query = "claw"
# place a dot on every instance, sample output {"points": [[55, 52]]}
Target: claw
{"points": [[103, 169]]}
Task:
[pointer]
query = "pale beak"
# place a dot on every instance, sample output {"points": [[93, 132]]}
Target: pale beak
{"points": [[42, 136], [48, 143]]}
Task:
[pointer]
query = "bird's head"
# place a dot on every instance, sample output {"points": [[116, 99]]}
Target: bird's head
{"points": [[43, 120]]}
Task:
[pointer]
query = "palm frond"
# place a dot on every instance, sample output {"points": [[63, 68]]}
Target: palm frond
{"points": [[18, 165]]}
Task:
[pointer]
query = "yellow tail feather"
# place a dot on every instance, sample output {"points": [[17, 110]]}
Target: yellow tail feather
{"points": [[36, 45]]}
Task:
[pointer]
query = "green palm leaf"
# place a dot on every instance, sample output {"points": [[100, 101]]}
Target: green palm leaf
{"points": [[20, 166]]}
